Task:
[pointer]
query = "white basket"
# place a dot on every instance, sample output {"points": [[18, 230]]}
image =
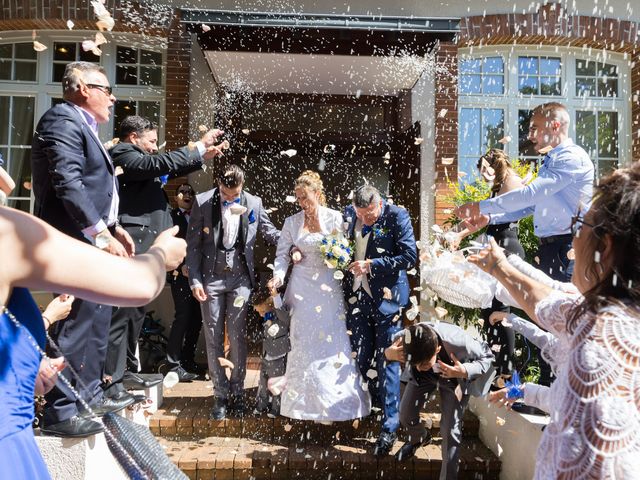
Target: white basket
{"points": [[457, 281]]}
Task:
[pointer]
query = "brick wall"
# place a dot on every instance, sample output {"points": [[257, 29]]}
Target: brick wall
{"points": [[446, 126], [635, 108]]}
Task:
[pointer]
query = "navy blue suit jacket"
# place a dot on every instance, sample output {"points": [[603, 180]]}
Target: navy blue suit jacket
{"points": [[72, 173], [392, 249]]}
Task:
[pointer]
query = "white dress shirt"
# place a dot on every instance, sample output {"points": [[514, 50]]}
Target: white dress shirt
{"points": [[230, 225]]}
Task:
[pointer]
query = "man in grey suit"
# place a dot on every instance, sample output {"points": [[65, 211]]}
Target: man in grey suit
{"points": [[444, 356], [222, 234]]}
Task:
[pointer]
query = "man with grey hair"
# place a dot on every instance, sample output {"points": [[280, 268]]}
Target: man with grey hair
{"points": [[75, 191], [377, 289]]}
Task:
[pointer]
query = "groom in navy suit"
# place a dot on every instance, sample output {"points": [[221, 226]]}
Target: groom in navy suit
{"points": [[376, 290]]}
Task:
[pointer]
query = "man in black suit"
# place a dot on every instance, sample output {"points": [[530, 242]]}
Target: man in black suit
{"points": [[75, 191], [144, 212], [186, 326]]}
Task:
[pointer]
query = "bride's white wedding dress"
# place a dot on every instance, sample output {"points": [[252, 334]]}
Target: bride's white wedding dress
{"points": [[323, 381]]}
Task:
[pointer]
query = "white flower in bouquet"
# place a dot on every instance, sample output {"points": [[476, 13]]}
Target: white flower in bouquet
{"points": [[337, 251]]}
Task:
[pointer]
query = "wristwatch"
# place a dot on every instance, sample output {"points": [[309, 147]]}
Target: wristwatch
{"points": [[103, 239]]}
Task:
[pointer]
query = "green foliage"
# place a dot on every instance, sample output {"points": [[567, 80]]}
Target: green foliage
{"points": [[475, 192]]}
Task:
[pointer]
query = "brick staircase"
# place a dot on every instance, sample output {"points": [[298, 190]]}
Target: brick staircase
{"points": [[281, 448]]}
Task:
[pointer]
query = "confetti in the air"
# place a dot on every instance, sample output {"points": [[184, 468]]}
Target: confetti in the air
{"points": [[289, 153], [418, 140], [205, 28], [239, 301], [338, 274], [224, 363]]}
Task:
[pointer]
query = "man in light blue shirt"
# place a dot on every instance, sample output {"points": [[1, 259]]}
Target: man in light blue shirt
{"points": [[563, 188]]}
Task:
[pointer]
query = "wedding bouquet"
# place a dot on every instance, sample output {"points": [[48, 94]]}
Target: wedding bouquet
{"points": [[337, 251]]}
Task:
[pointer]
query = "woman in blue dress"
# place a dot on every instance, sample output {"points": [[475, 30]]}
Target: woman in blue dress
{"points": [[35, 255]]}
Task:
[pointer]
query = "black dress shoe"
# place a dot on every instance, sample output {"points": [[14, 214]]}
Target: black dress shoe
{"points": [[183, 375], [408, 450], [219, 410], [384, 444], [75, 427], [114, 403], [138, 381]]}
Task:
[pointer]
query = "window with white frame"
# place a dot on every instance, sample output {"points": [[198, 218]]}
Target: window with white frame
{"points": [[498, 87], [30, 84]]}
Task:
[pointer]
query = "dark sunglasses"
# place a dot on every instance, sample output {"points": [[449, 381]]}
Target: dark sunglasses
{"points": [[106, 90]]}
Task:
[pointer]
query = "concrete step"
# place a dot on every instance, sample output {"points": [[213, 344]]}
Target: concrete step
{"points": [[236, 458]]}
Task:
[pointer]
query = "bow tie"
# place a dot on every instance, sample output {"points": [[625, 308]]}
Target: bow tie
{"points": [[226, 204], [268, 316], [366, 229]]}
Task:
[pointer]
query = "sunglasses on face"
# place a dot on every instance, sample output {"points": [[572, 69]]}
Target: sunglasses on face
{"points": [[103, 88], [577, 222]]}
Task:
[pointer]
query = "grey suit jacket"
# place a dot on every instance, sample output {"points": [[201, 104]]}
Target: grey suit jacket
{"points": [[204, 228], [277, 345], [476, 356]]}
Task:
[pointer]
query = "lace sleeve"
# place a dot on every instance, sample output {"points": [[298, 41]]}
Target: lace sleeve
{"points": [[552, 311]]}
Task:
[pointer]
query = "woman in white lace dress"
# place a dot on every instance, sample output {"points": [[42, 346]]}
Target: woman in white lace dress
{"points": [[323, 381], [595, 402]]}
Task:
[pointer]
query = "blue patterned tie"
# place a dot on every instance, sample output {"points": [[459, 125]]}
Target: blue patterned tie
{"points": [[226, 204], [366, 229]]}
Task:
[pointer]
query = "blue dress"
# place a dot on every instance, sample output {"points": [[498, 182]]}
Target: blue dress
{"points": [[20, 457]]}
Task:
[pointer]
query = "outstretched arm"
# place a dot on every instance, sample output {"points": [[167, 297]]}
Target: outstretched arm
{"points": [[42, 258]]}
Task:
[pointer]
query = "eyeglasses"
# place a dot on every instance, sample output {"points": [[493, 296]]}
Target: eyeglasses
{"points": [[103, 88], [577, 222]]}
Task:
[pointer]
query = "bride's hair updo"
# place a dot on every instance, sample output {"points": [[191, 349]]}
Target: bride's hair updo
{"points": [[311, 180]]}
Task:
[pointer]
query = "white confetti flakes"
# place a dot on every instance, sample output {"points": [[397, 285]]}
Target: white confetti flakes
{"points": [[288, 427], [70, 24], [371, 373], [386, 293], [355, 311], [447, 160], [290, 199], [318, 308], [380, 250], [338, 274], [413, 271], [500, 421], [273, 330], [292, 152], [352, 300], [441, 312], [239, 301], [504, 140], [355, 424], [418, 141], [387, 156], [205, 230], [326, 288], [205, 28], [442, 113], [329, 148], [39, 47], [246, 131]]}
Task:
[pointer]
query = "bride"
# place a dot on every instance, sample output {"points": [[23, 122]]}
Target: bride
{"points": [[323, 382]]}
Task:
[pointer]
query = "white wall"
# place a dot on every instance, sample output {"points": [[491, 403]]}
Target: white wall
{"points": [[622, 9]]}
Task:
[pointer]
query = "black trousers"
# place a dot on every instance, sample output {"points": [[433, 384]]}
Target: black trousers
{"points": [[506, 235], [126, 323], [82, 338], [186, 325], [555, 263]]}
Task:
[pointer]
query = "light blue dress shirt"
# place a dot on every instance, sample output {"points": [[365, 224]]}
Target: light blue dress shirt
{"points": [[564, 185]]}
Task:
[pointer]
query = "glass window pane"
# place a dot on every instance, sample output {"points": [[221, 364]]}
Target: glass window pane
{"points": [[55, 101], [126, 55], [585, 87], [25, 71], [4, 121], [470, 65], [525, 148], [25, 51], [585, 67], [121, 110], [23, 205], [150, 58], [150, 110], [22, 121], [550, 86], [493, 84], [608, 87], [6, 50], [470, 84], [58, 72], [586, 131], [493, 65], [608, 134], [64, 51], [88, 56], [126, 75], [5, 69], [492, 127], [469, 134], [20, 170], [528, 65], [468, 166], [550, 66], [528, 85], [151, 76], [607, 70], [606, 166]]}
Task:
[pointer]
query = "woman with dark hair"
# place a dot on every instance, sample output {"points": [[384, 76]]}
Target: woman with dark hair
{"points": [[495, 167], [595, 401]]}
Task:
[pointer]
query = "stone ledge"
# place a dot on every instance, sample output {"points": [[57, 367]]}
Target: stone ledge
{"points": [[515, 441]]}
